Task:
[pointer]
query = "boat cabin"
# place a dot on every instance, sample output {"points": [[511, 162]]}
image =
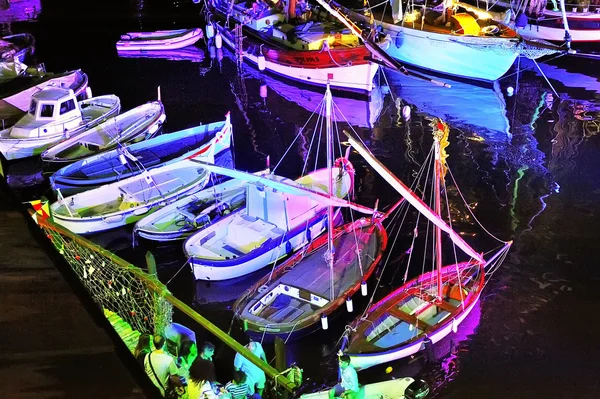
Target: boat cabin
{"points": [[52, 111]]}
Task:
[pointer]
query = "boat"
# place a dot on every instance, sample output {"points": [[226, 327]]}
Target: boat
{"points": [[133, 159], [548, 21], [306, 48], [129, 200], [465, 44], [316, 281], [134, 125], [273, 224], [17, 47], [186, 216], [15, 94], [189, 53], [55, 115], [430, 306], [405, 388], [159, 40]]}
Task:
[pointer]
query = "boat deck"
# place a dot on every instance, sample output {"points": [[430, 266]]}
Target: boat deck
{"points": [[312, 277]]}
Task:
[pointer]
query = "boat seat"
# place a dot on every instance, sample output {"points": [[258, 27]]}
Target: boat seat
{"points": [[287, 315], [138, 195]]}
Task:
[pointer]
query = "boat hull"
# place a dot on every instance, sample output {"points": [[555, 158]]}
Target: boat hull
{"points": [[100, 221], [351, 73], [159, 40], [292, 242], [86, 174], [415, 344], [393, 389]]}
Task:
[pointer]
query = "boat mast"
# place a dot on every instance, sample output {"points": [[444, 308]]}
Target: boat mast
{"points": [[438, 209], [563, 12], [329, 131]]}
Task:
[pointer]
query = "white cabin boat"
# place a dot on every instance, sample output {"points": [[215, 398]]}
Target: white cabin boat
{"points": [[54, 115], [273, 225]]}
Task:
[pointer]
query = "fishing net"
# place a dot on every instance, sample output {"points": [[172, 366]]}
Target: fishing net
{"points": [[530, 48], [129, 303]]}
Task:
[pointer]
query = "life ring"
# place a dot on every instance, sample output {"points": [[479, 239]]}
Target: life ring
{"points": [[344, 163]]}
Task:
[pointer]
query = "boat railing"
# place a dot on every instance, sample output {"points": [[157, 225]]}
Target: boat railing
{"points": [[133, 300]]}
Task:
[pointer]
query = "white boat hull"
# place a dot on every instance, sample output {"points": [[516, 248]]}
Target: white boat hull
{"points": [[356, 77], [152, 44], [364, 361], [452, 55], [558, 35], [217, 273], [392, 389]]}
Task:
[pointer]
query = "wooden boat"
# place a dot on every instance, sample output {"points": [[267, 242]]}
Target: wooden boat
{"points": [[432, 305], [129, 200], [467, 45], [316, 281], [17, 47], [159, 40], [121, 163], [134, 125], [15, 94], [405, 388], [272, 225], [193, 213], [55, 115], [309, 51]]}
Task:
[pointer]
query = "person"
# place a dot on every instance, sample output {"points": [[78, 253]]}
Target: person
{"points": [[348, 388], [199, 384], [187, 354], [238, 388], [207, 351], [142, 348], [256, 378], [160, 367]]}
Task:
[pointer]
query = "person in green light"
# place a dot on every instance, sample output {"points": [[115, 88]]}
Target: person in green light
{"points": [[348, 388]]}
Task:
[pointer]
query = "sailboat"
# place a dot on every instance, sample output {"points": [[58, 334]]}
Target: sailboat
{"points": [[316, 281], [432, 305], [296, 41], [459, 43]]}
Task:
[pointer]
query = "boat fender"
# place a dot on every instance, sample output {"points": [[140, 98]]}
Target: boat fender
{"points": [[288, 247], [262, 62], [363, 288], [210, 31], [324, 322], [349, 305], [218, 40]]}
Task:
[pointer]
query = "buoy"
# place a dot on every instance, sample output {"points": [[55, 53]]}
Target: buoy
{"points": [[363, 288], [262, 63], [406, 113], [218, 40], [212, 51], [88, 92], [324, 322], [389, 369], [263, 91], [210, 31], [454, 326], [349, 305], [510, 91]]}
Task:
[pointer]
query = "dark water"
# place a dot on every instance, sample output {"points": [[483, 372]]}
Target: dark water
{"points": [[528, 161]]}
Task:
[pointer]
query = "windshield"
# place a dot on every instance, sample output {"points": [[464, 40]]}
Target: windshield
{"points": [[32, 106]]}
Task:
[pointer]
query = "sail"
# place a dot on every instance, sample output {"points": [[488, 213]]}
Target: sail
{"points": [[412, 198], [285, 187]]}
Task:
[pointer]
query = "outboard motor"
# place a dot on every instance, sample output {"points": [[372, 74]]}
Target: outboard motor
{"points": [[418, 389]]}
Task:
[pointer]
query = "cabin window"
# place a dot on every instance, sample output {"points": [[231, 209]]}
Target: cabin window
{"points": [[32, 107], [47, 111], [67, 106]]}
